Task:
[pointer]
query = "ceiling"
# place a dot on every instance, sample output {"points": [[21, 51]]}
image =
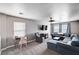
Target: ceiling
{"points": [[42, 11]]}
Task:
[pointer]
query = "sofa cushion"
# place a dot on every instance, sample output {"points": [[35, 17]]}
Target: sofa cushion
{"points": [[69, 42], [66, 40], [72, 35], [75, 43], [75, 39], [72, 42], [53, 41], [67, 49]]}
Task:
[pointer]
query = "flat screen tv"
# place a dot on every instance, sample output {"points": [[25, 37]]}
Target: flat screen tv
{"points": [[43, 27]]}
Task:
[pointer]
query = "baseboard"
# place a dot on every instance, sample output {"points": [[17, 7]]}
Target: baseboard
{"points": [[7, 47]]}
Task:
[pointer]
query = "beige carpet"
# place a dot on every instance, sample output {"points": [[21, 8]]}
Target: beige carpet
{"points": [[33, 48]]}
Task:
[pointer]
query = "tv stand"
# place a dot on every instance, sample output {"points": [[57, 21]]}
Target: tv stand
{"points": [[41, 36], [45, 35]]}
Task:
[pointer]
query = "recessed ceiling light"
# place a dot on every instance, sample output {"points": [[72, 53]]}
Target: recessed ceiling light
{"points": [[21, 13]]}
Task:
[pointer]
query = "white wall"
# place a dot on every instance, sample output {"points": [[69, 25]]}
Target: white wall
{"points": [[7, 30], [3, 29], [0, 36], [75, 27]]}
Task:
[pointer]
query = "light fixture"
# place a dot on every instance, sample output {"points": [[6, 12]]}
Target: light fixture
{"points": [[20, 13], [51, 20]]}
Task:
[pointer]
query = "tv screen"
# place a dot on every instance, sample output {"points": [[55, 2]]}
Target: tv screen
{"points": [[45, 27], [42, 27]]}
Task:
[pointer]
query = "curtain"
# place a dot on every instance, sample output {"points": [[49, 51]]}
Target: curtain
{"points": [[51, 28], [69, 29]]}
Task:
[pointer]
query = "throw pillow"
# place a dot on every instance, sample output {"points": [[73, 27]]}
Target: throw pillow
{"points": [[71, 36], [75, 39], [69, 42], [67, 39]]}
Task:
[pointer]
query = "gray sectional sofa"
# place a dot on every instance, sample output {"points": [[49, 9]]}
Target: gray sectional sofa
{"points": [[69, 46]]}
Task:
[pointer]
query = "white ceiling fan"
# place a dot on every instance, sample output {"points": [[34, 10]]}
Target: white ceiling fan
{"points": [[51, 20]]}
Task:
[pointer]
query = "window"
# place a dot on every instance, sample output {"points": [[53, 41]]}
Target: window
{"points": [[19, 29], [56, 28], [64, 28]]}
